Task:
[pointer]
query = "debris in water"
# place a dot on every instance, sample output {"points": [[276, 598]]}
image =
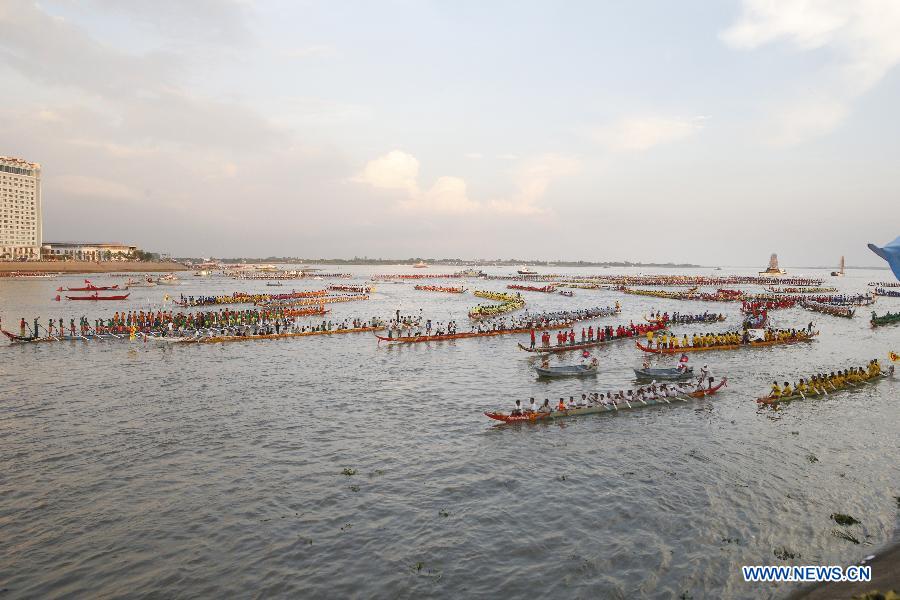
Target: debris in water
{"points": [[840, 533], [729, 540], [348, 471], [562, 477], [842, 519], [795, 433], [347, 526], [444, 512], [354, 488], [785, 553], [812, 458]]}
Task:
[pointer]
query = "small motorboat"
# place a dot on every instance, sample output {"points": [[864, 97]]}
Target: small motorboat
{"points": [[567, 370], [668, 373]]}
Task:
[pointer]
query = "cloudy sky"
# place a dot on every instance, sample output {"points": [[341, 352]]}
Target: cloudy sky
{"points": [[707, 132]]}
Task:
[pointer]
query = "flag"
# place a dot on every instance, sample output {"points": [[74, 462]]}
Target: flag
{"points": [[684, 358]]}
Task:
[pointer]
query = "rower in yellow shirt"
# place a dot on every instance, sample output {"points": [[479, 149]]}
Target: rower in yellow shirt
{"points": [[787, 391], [776, 390]]}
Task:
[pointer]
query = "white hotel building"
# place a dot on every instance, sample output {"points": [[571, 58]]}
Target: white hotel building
{"points": [[20, 208]]}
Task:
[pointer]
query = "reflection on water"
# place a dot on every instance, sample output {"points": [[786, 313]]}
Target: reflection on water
{"points": [[219, 470]]}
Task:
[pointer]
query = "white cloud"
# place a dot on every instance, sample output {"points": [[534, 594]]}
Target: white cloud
{"points": [[642, 133], [398, 170], [862, 38], [94, 188], [474, 155]]}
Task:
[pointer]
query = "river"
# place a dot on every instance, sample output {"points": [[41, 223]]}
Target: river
{"points": [[329, 467]]}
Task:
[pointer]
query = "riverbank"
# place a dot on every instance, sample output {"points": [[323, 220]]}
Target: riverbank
{"points": [[885, 578], [90, 267]]}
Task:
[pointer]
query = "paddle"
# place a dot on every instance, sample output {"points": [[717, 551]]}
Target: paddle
{"points": [[49, 334]]}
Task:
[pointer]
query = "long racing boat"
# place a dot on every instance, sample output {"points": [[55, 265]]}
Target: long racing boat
{"points": [[625, 405], [467, 334], [768, 400], [760, 344]]}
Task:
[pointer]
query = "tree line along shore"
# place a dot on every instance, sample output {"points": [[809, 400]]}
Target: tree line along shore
{"points": [[90, 267]]}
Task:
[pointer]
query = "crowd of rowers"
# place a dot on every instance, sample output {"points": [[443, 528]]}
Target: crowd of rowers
{"points": [[601, 334], [754, 307], [243, 298], [679, 318], [654, 392], [840, 299], [728, 338], [721, 295], [419, 326], [693, 280], [886, 292], [823, 382], [567, 316], [248, 322]]}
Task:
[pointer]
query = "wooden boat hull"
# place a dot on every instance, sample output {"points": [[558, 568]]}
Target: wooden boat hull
{"points": [[95, 298], [766, 400], [568, 371], [276, 336], [672, 374], [763, 344], [603, 408], [577, 346], [464, 335]]}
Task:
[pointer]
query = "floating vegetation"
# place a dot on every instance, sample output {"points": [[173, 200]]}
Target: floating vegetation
{"points": [[876, 595], [348, 472], [729, 540], [842, 519], [444, 512], [347, 527], [685, 596], [784, 553], [419, 568], [812, 458], [840, 533], [354, 488], [376, 473], [562, 478], [696, 454], [795, 433]]}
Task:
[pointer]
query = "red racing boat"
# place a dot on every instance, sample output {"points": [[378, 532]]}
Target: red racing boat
{"points": [[621, 405], [90, 287], [96, 296]]}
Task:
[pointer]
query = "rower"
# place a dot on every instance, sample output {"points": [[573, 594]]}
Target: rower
{"points": [[572, 404], [545, 407], [562, 405], [517, 411], [787, 391], [532, 407]]}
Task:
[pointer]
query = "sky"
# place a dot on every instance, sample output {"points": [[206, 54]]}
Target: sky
{"points": [[693, 131]]}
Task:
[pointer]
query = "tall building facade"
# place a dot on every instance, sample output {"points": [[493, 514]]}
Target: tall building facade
{"points": [[20, 209]]}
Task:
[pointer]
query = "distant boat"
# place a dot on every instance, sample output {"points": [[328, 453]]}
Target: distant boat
{"points": [[526, 271], [420, 265], [773, 270], [839, 273]]}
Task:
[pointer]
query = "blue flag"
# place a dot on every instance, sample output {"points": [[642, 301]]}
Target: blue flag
{"points": [[890, 253]]}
